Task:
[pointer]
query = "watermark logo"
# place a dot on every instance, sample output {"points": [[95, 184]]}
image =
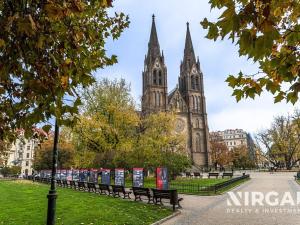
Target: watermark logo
{"points": [[254, 198]]}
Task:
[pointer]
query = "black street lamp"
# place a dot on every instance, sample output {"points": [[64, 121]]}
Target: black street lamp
{"points": [[52, 192]]}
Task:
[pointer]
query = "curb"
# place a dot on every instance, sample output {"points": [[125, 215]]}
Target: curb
{"points": [[178, 212]]}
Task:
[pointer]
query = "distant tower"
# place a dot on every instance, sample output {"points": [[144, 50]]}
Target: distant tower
{"points": [[192, 89], [155, 88]]}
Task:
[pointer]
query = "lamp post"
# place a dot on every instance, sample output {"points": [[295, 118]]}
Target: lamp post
{"points": [[52, 192]]}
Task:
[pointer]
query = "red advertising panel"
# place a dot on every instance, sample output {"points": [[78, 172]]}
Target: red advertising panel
{"points": [[162, 178]]}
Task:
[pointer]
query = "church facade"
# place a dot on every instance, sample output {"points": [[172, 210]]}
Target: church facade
{"points": [[187, 99]]}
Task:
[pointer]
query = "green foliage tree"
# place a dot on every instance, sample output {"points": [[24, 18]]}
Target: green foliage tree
{"points": [[10, 171], [119, 137], [158, 144], [108, 122], [268, 32], [282, 141], [48, 49]]}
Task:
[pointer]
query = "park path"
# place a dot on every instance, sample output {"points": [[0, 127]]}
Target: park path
{"points": [[213, 210]]}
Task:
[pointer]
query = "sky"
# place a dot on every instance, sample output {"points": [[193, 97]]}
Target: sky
{"points": [[218, 60]]}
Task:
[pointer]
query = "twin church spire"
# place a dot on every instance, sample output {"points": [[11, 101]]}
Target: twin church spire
{"points": [[155, 90], [187, 99]]}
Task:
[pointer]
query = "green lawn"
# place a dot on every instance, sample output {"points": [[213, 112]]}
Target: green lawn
{"points": [[25, 203]]}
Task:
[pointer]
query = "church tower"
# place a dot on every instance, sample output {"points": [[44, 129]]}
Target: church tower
{"points": [[155, 89], [192, 90]]}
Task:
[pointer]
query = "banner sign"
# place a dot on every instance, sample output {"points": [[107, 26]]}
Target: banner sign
{"points": [[162, 178], [69, 174], [75, 175], [105, 176], [57, 175], [120, 177], [63, 174], [47, 173], [138, 177], [93, 176]]}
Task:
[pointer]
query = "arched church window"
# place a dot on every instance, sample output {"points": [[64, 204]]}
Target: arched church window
{"points": [[193, 82], [154, 76], [160, 77], [194, 102], [159, 99], [197, 143], [199, 105], [197, 83], [156, 99]]}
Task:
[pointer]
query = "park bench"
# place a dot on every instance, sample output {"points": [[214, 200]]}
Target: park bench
{"points": [[72, 184], [172, 195], [81, 186], [227, 174], [140, 191], [117, 189], [59, 183], [213, 175], [297, 176], [188, 174], [104, 189], [65, 183], [92, 187], [197, 174]]}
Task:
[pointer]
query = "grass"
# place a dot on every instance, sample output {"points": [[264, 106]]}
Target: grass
{"points": [[25, 203]]}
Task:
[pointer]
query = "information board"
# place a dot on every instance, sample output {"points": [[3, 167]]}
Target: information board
{"points": [[120, 177], [105, 176], [138, 177], [162, 178]]}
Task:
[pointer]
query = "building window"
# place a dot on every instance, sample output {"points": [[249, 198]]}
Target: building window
{"points": [[28, 147], [198, 145], [154, 76], [160, 78], [197, 83], [27, 155], [193, 82], [27, 163]]}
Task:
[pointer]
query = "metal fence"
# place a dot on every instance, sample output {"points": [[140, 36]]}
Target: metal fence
{"points": [[197, 188]]}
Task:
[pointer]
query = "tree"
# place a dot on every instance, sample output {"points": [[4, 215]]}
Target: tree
{"points": [[43, 155], [267, 32], [241, 158], [5, 147], [220, 154], [158, 144], [10, 171], [48, 49], [118, 136], [108, 122], [282, 141]]}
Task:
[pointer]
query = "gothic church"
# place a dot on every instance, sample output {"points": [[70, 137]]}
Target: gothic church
{"points": [[187, 99]]}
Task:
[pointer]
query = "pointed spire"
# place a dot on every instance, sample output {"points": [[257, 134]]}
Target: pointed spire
{"points": [[153, 46], [189, 54]]}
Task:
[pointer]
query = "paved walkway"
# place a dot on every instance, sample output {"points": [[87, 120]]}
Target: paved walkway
{"points": [[214, 210]]}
